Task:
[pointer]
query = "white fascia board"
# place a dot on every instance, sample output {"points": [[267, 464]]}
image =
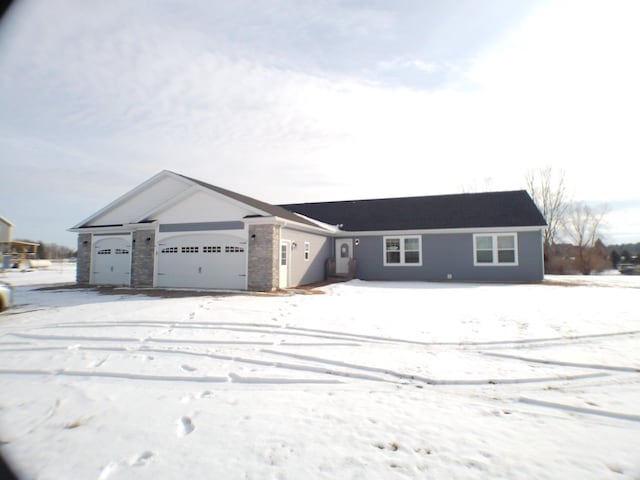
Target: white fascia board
{"points": [[126, 228], [439, 231], [266, 220], [324, 226], [230, 200], [123, 198], [283, 222]]}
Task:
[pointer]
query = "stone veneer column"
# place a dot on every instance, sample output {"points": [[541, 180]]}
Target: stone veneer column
{"points": [[142, 258], [264, 254], [83, 259]]}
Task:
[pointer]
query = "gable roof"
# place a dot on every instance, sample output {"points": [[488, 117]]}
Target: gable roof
{"points": [[467, 210], [275, 210], [260, 208]]}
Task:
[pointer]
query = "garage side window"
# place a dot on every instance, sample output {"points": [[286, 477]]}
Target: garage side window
{"points": [[307, 250]]}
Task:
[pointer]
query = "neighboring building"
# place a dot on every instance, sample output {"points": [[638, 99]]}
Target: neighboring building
{"points": [[6, 228], [176, 231], [13, 253]]}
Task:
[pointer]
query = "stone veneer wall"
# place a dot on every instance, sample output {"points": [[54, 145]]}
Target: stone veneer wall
{"points": [[264, 254], [142, 258], [83, 265]]}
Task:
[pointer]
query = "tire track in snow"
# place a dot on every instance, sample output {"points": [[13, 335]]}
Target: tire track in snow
{"points": [[433, 381]]}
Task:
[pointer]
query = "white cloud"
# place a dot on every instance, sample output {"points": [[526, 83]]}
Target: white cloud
{"points": [[124, 90]]}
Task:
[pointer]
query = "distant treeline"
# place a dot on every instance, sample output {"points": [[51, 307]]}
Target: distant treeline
{"points": [[631, 248], [52, 251], [624, 253]]}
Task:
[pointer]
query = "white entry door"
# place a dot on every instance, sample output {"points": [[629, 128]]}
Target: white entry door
{"points": [[285, 260], [344, 253], [111, 263]]}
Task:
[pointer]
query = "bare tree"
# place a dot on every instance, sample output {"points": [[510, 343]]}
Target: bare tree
{"points": [[584, 227], [548, 190]]}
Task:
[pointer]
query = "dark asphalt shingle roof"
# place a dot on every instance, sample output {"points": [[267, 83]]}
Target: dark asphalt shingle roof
{"points": [[467, 210]]}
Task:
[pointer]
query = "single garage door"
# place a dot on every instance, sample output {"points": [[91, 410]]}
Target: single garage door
{"points": [[202, 261], [111, 263]]}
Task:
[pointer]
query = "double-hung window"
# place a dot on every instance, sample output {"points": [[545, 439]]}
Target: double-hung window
{"points": [[403, 250], [495, 249]]}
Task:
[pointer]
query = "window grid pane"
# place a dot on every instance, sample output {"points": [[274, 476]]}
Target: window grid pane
{"points": [[484, 256], [484, 243], [506, 241], [393, 257], [506, 256], [393, 244], [412, 257]]}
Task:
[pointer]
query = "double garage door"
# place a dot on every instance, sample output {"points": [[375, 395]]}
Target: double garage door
{"points": [[202, 261]]}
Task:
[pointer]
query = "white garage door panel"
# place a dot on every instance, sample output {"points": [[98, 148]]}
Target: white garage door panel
{"points": [[202, 261], [111, 263]]}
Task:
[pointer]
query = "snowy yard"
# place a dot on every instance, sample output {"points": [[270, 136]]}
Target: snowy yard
{"points": [[370, 380]]}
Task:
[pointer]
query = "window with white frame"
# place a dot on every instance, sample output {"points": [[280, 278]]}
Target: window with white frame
{"points": [[403, 250], [495, 249], [307, 250]]}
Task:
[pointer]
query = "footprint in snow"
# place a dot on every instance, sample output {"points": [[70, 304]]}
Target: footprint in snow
{"points": [[185, 427], [141, 460], [107, 471], [188, 368]]}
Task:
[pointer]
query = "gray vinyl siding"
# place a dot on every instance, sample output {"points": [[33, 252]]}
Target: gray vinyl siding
{"points": [[200, 226], [450, 254], [307, 271]]}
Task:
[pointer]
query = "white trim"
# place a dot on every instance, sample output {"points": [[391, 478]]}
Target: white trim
{"points": [[306, 251], [401, 251], [318, 223], [437, 231], [494, 246], [287, 244], [116, 229], [123, 198], [290, 224], [195, 188]]}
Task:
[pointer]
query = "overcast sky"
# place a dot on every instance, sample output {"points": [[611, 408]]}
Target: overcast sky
{"points": [[300, 101]]}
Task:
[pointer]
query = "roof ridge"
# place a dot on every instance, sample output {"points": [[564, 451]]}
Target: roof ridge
{"points": [[415, 197]]}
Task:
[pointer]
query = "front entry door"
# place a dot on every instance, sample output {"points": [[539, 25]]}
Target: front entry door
{"points": [[285, 250], [344, 253]]}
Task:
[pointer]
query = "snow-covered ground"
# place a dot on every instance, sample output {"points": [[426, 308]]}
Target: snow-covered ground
{"points": [[370, 380]]}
